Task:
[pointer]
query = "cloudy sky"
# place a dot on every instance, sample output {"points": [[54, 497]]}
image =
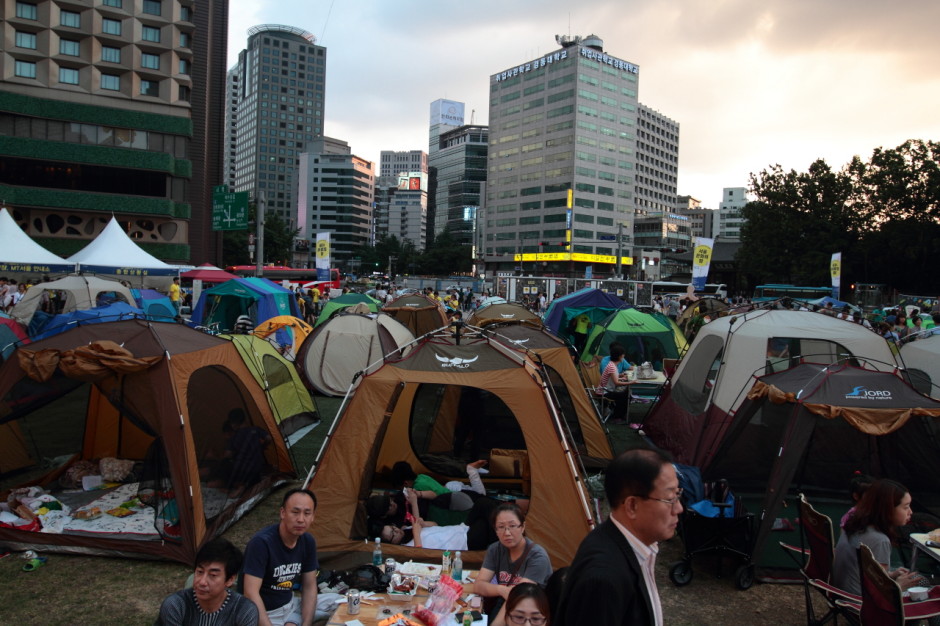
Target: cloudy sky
{"points": [[751, 83]]}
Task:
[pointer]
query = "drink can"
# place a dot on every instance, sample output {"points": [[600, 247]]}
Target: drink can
{"points": [[29, 555], [390, 566], [353, 599]]}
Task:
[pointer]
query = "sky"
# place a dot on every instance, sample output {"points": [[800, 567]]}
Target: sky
{"points": [[751, 84]]}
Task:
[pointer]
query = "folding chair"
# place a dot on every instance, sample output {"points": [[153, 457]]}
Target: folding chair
{"points": [[817, 568], [882, 600]]}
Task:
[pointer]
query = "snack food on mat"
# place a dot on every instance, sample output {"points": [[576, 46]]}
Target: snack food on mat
{"points": [[87, 514], [120, 512]]}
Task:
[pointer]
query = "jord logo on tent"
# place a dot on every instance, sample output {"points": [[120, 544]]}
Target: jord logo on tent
{"points": [[869, 394], [455, 361]]}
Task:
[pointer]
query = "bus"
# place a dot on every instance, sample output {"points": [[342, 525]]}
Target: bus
{"points": [[300, 277], [662, 288], [766, 293]]}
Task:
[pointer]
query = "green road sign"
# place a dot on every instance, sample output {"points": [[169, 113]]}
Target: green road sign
{"points": [[229, 209]]}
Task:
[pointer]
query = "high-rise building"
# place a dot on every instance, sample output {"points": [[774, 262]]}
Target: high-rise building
{"points": [[276, 95], [701, 220], [657, 161], [563, 123], [730, 220], [401, 197], [335, 194], [99, 117]]}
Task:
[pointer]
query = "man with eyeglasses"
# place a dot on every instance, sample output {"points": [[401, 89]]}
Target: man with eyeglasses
{"points": [[612, 578]]}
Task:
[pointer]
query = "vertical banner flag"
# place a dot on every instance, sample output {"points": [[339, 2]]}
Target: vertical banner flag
{"points": [[701, 259], [323, 256], [835, 268]]}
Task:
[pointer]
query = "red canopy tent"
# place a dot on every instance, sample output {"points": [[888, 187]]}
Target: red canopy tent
{"points": [[208, 273]]}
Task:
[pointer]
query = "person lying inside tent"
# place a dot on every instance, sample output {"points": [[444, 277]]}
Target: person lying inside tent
{"points": [[392, 509], [476, 534]]}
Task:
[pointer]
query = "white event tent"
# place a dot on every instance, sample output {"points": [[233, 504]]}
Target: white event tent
{"points": [[23, 258], [113, 254]]}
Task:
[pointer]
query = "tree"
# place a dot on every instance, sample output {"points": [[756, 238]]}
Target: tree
{"points": [[278, 241], [446, 256]]}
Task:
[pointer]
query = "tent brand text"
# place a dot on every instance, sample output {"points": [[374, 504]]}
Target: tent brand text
{"points": [[869, 394]]}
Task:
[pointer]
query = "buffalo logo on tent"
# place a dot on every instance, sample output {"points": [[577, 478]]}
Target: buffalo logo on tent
{"points": [[455, 361]]}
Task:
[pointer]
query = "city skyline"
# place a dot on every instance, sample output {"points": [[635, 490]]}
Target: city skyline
{"points": [[750, 86]]}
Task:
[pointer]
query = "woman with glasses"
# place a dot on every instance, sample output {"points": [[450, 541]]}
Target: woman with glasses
{"points": [[511, 560], [527, 605]]}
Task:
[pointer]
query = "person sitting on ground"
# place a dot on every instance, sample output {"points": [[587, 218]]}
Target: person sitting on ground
{"points": [[211, 599], [527, 604], [882, 508], [475, 534], [510, 561]]}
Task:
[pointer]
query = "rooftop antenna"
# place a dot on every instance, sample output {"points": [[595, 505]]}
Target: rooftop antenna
{"points": [[473, 112]]}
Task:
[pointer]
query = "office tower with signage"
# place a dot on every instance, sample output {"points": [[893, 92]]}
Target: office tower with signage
{"points": [[111, 108], [277, 92], [730, 219], [563, 122], [335, 194], [401, 197], [457, 170]]}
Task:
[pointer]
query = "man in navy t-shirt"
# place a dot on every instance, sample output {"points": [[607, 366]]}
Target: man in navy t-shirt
{"points": [[277, 556]]}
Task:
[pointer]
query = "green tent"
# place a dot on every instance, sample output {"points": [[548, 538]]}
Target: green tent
{"points": [[292, 405], [643, 336], [347, 300], [682, 344]]}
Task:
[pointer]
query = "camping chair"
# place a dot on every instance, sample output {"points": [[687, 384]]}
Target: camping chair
{"points": [[882, 600], [817, 568]]}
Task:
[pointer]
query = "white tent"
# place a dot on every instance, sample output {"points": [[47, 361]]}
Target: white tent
{"points": [[112, 253], [20, 255], [78, 293], [922, 360]]}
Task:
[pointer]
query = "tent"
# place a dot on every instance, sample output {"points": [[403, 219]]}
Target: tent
{"points": [[643, 337], [346, 300], [503, 312], [346, 345], [293, 407], [922, 361], [11, 334], [158, 396], [258, 298], [596, 303], [115, 255], [837, 305], [698, 313], [417, 313], [96, 315], [21, 257], [407, 411], [810, 428], [70, 293], [569, 387], [156, 306], [707, 387], [284, 331], [207, 273]]}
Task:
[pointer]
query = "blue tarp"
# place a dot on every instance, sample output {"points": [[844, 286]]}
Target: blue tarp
{"points": [[65, 321]]}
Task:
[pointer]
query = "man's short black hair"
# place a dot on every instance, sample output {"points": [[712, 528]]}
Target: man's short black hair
{"points": [[633, 473], [291, 492], [222, 551]]}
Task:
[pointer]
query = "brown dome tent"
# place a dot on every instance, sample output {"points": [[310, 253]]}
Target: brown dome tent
{"points": [[418, 313]]}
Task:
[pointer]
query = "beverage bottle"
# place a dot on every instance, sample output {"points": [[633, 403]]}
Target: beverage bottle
{"points": [[467, 618], [457, 568], [445, 562], [377, 553]]}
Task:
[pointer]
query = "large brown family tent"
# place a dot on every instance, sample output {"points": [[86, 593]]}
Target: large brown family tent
{"points": [[501, 312], [418, 313], [346, 344], [710, 380], [578, 410], [810, 428], [450, 401], [168, 420]]}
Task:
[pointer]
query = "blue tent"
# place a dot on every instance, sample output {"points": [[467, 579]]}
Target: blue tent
{"points": [[596, 303], [258, 298], [66, 321], [156, 306], [836, 304]]}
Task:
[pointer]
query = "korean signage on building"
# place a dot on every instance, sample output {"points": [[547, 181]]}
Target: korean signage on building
{"points": [[554, 57], [447, 112]]}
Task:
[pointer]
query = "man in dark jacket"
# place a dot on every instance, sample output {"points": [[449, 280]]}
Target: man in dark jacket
{"points": [[611, 580]]}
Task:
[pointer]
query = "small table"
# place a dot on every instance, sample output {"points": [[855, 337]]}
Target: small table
{"points": [[919, 544]]}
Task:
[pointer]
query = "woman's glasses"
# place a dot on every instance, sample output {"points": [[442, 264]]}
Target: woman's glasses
{"points": [[510, 527], [518, 618]]}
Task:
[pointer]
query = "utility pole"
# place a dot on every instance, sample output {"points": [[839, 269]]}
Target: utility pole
{"points": [[259, 229]]}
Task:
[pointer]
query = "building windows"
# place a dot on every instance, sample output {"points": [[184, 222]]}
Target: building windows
{"points": [[69, 47], [184, 93], [184, 66], [186, 14], [26, 10], [68, 76], [150, 88], [25, 69], [150, 61], [149, 33], [152, 7], [113, 3], [110, 54], [70, 19], [111, 27], [25, 40], [111, 82], [185, 40]]}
